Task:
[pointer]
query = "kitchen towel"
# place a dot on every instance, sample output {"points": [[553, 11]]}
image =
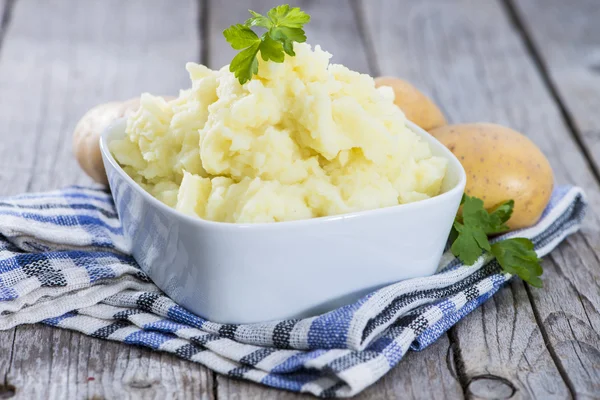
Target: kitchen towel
{"points": [[65, 263]]}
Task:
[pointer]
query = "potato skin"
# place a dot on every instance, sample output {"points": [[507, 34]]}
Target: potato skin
{"points": [[86, 136], [501, 164], [417, 107]]}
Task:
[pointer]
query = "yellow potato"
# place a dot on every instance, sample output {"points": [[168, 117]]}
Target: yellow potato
{"points": [[86, 137], [501, 164], [417, 107]]}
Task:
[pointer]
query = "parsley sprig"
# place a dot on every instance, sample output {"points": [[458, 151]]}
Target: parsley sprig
{"points": [[284, 27], [469, 239]]}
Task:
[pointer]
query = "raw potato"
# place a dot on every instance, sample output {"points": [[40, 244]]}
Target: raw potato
{"points": [[86, 137], [417, 107], [501, 164]]}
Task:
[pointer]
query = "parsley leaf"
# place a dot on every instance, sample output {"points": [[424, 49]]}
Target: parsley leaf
{"points": [[288, 36], [475, 215], [469, 239], [284, 27], [516, 256], [240, 36], [285, 16], [245, 64], [271, 49], [499, 215], [258, 20], [471, 231], [470, 243]]}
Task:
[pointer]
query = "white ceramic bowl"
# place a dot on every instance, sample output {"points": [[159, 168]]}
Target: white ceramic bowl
{"points": [[245, 273]]}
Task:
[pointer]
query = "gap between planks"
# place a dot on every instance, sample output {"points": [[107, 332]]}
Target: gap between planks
{"points": [[61, 368], [340, 27], [207, 56], [534, 52], [525, 34], [5, 14], [204, 30], [456, 362], [6, 389], [484, 57]]}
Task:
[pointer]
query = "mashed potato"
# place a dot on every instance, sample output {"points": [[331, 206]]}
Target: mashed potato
{"points": [[303, 139]]}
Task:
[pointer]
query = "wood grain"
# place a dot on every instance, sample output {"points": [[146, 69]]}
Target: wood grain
{"points": [[568, 58], [421, 375], [9, 179], [56, 62], [466, 55], [4, 16], [7, 389], [568, 309], [428, 374], [565, 37], [233, 389], [60, 364], [503, 352], [333, 26]]}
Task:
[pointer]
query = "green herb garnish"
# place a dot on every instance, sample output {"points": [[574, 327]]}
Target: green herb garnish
{"points": [[470, 239], [284, 27]]}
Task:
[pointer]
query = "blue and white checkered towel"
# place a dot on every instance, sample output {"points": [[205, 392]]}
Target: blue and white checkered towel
{"points": [[64, 262]]}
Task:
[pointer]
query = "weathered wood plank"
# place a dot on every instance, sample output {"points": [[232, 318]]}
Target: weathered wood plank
{"points": [[566, 37], [503, 353], [4, 12], [6, 337], [423, 375], [468, 57], [487, 102], [568, 309], [332, 25], [8, 178], [6, 351], [428, 374], [59, 364], [55, 63], [233, 389]]}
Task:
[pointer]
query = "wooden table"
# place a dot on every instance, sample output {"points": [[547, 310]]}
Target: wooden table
{"points": [[533, 65]]}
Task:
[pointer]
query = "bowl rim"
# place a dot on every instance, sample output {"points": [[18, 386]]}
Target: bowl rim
{"points": [[107, 157]]}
